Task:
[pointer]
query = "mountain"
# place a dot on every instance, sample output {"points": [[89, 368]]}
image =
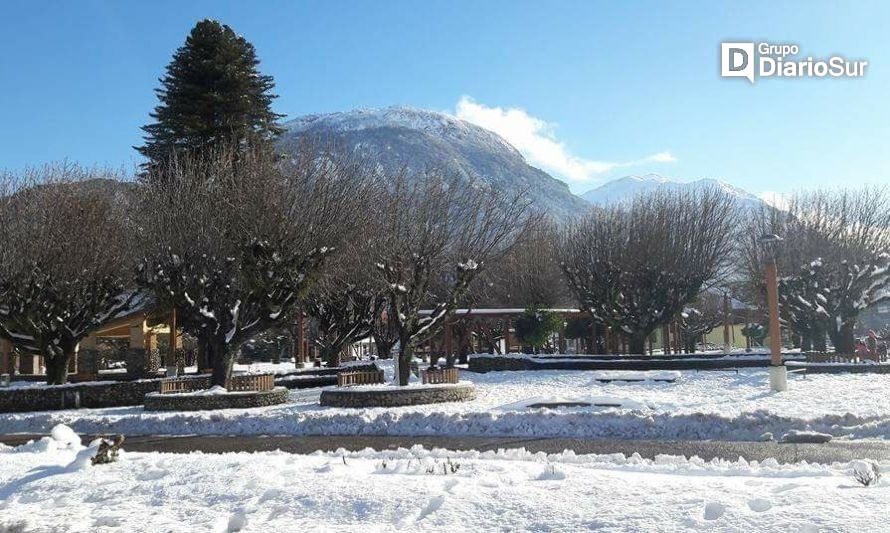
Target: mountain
{"points": [[626, 188], [416, 139]]}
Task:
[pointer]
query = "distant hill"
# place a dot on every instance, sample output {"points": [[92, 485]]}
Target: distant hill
{"points": [[626, 188], [415, 139]]}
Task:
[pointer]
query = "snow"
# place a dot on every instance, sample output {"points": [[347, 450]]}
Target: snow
{"points": [[699, 405], [428, 490], [626, 375]]}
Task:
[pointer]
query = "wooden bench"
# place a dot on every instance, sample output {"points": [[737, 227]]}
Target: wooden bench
{"points": [[434, 376], [240, 383], [347, 379]]}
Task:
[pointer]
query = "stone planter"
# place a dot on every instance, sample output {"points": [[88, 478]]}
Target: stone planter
{"points": [[205, 402], [391, 396]]}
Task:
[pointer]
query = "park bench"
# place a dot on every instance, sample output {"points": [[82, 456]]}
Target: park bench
{"points": [[363, 377], [434, 376]]}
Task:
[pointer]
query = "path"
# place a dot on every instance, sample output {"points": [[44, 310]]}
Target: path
{"points": [[841, 451]]}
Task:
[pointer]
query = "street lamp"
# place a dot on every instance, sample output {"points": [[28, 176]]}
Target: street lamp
{"points": [[778, 376]]}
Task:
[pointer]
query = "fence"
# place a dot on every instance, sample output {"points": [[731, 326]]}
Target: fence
{"points": [[848, 359], [345, 379], [241, 383], [441, 375]]}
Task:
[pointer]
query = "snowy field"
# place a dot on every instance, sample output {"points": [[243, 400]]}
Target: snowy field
{"points": [[45, 487], [705, 405]]}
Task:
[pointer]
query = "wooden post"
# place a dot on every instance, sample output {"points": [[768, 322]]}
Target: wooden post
{"points": [[772, 295], [171, 353], [727, 343], [299, 348], [593, 338], [665, 339]]}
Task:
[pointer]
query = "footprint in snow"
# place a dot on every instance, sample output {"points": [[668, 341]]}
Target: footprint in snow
{"points": [[434, 504], [760, 505], [714, 510]]}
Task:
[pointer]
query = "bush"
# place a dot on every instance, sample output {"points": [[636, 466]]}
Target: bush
{"points": [[535, 327]]}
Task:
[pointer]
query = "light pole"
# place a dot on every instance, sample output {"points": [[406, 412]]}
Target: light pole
{"points": [[778, 376]]}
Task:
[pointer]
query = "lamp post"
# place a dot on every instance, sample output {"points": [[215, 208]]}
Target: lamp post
{"points": [[778, 376]]}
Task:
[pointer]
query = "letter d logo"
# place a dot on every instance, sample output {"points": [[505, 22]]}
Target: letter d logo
{"points": [[737, 60]]}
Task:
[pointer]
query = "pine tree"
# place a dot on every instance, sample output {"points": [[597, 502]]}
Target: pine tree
{"points": [[211, 94]]}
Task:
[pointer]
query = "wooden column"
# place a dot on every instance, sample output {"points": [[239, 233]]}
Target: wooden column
{"points": [[665, 339], [775, 332], [6, 358], [727, 343], [508, 336], [593, 338], [171, 353]]}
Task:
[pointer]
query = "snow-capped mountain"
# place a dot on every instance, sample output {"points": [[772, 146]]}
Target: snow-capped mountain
{"points": [[626, 188], [416, 139]]}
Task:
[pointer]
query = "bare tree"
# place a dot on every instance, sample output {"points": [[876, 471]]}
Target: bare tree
{"points": [[634, 267], [700, 318], [233, 243], [438, 234], [66, 261], [348, 298], [833, 261], [528, 276]]}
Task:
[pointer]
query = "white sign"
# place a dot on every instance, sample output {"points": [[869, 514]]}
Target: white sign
{"points": [[769, 60]]}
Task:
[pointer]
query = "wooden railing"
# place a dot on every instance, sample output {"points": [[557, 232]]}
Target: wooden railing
{"points": [[345, 379], [439, 375], [849, 359], [251, 382], [240, 383]]}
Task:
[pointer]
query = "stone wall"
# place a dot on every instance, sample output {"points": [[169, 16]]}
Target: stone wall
{"points": [[202, 402], [396, 397], [73, 396]]}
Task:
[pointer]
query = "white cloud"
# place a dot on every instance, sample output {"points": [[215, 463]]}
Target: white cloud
{"points": [[535, 139]]}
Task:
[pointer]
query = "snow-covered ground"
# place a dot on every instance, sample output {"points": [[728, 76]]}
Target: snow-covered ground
{"points": [[703, 405], [44, 487]]}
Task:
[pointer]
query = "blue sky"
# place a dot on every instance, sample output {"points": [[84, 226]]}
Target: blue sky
{"points": [[588, 90]]}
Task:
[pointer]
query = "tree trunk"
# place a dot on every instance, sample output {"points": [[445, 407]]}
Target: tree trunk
{"points": [[384, 349], [843, 340], [818, 340], [806, 341], [637, 342], [404, 363], [331, 356], [57, 368], [223, 357]]}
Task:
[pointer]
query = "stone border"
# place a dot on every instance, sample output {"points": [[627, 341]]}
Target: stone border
{"points": [[197, 402], [496, 363], [76, 395], [390, 396]]}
